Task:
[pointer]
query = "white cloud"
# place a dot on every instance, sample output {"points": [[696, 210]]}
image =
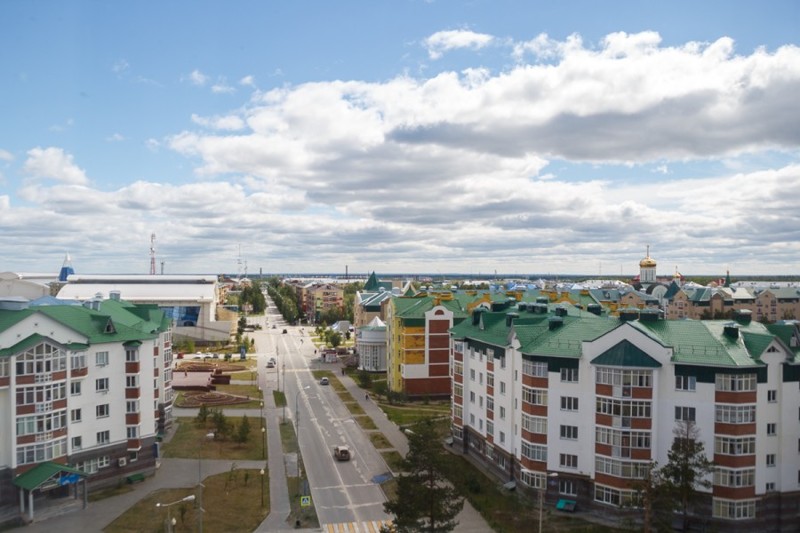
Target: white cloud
{"points": [[54, 164], [444, 41], [228, 122], [5, 155], [152, 144], [116, 137], [198, 78], [572, 156], [248, 81], [120, 67], [221, 87]]}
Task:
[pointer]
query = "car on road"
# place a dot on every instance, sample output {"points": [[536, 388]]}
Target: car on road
{"points": [[341, 453], [273, 326], [323, 381], [285, 331], [270, 364]]}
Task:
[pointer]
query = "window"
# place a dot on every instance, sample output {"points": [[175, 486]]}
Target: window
{"points": [[734, 509], [619, 377], [102, 410], [772, 396], [131, 355], [458, 389], [735, 382], [502, 387], [532, 479], [567, 487], [569, 432], [101, 385], [735, 414], [489, 403], [132, 406], [569, 375], [735, 445], [685, 383], [132, 432], [103, 437], [490, 379], [458, 368], [534, 368], [75, 388], [770, 487], [534, 424], [480, 378], [77, 443], [770, 459], [727, 477], [534, 396], [75, 415], [568, 460], [772, 429], [534, 452], [502, 437], [620, 468], [42, 358], [489, 427], [472, 397], [613, 496], [569, 403], [685, 414], [502, 413], [472, 374], [458, 412], [101, 358]]}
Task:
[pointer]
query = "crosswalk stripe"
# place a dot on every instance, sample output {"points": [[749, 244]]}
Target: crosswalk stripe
{"points": [[371, 526]]}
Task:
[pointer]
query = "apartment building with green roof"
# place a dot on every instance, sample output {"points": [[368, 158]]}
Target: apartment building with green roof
{"points": [[83, 388], [578, 405]]}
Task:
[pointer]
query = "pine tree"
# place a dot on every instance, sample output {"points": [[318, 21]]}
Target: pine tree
{"points": [[687, 469], [425, 499]]}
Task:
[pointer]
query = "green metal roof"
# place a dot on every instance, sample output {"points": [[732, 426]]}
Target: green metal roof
{"points": [[24, 344], [625, 353], [36, 476]]}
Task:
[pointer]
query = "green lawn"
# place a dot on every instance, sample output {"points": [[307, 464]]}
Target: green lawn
{"points": [[190, 441], [232, 503], [379, 440]]}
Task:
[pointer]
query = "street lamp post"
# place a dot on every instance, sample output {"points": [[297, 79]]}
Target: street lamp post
{"points": [[262, 411], [541, 497], [170, 524], [200, 485], [262, 487], [263, 442]]}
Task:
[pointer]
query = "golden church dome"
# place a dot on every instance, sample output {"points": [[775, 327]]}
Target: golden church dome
{"points": [[647, 262]]}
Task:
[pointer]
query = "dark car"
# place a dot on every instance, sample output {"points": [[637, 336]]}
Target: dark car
{"points": [[285, 331]]}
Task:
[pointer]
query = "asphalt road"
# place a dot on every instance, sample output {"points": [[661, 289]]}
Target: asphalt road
{"points": [[342, 491]]}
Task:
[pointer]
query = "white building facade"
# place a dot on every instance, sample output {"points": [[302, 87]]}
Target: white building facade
{"points": [[87, 387], [579, 406]]}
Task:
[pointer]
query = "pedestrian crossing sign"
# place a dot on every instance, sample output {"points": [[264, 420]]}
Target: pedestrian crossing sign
{"points": [[305, 501]]}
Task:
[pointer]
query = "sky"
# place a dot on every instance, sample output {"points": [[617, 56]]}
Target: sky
{"points": [[413, 136]]}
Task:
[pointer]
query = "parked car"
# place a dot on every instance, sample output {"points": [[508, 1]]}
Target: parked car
{"points": [[323, 381]]}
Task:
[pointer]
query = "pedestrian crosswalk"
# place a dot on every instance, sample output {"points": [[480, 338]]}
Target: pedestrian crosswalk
{"points": [[371, 526]]}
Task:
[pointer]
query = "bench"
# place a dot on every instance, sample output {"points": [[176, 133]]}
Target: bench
{"points": [[134, 478]]}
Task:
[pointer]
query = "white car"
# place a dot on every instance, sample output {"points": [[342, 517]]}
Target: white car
{"points": [[323, 381]]}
